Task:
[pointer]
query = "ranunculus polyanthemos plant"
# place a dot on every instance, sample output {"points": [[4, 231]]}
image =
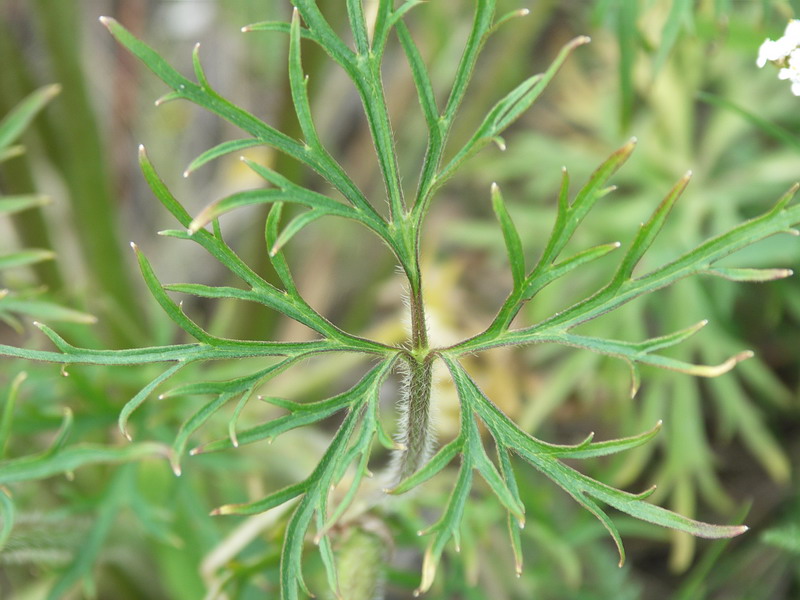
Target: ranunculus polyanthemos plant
{"points": [[488, 438]]}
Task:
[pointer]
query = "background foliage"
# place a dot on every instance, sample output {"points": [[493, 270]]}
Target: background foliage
{"points": [[679, 75]]}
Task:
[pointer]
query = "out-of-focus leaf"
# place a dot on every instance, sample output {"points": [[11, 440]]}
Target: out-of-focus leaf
{"points": [[14, 204], [14, 123], [23, 258]]}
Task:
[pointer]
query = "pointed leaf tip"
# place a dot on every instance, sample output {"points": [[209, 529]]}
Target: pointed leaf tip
{"points": [[52, 90]]}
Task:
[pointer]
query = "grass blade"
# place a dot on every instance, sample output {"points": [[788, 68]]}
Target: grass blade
{"points": [[7, 513], [10, 205], [24, 258], [17, 121], [8, 411], [73, 457]]}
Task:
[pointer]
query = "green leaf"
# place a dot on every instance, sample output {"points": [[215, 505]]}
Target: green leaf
{"points": [[267, 296], [11, 152], [24, 258], [198, 69], [7, 512], [214, 103], [447, 527], [237, 385], [114, 497], [330, 42], [513, 243], [220, 150], [786, 537], [640, 354], [234, 420], [361, 449], [319, 482], [481, 26], [73, 457], [277, 258], [60, 438], [294, 194], [44, 310], [386, 19], [594, 449], [571, 216], [280, 27], [273, 500], [508, 110], [8, 411], [632, 505], [784, 136], [438, 462], [750, 275], [781, 219], [301, 414], [10, 205], [649, 231], [544, 457], [666, 341], [222, 252], [227, 391], [174, 311], [507, 471], [182, 352], [17, 121], [294, 226], [494, 480], [539, 279], [298, 84], [192, 424], [680, 11], [427, 98], [143, 394]]}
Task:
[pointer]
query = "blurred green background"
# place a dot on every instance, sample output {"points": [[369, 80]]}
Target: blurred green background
{"points": [[679, 75]]}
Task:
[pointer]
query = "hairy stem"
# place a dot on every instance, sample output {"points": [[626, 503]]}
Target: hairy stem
{"points": [[419, 329], [415, 427], [415, 434]]}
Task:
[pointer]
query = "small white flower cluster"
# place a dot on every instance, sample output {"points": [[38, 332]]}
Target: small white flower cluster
{"points": [[785, 53]]}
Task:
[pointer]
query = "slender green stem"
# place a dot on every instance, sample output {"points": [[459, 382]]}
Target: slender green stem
{"points": [[419, 330]]}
